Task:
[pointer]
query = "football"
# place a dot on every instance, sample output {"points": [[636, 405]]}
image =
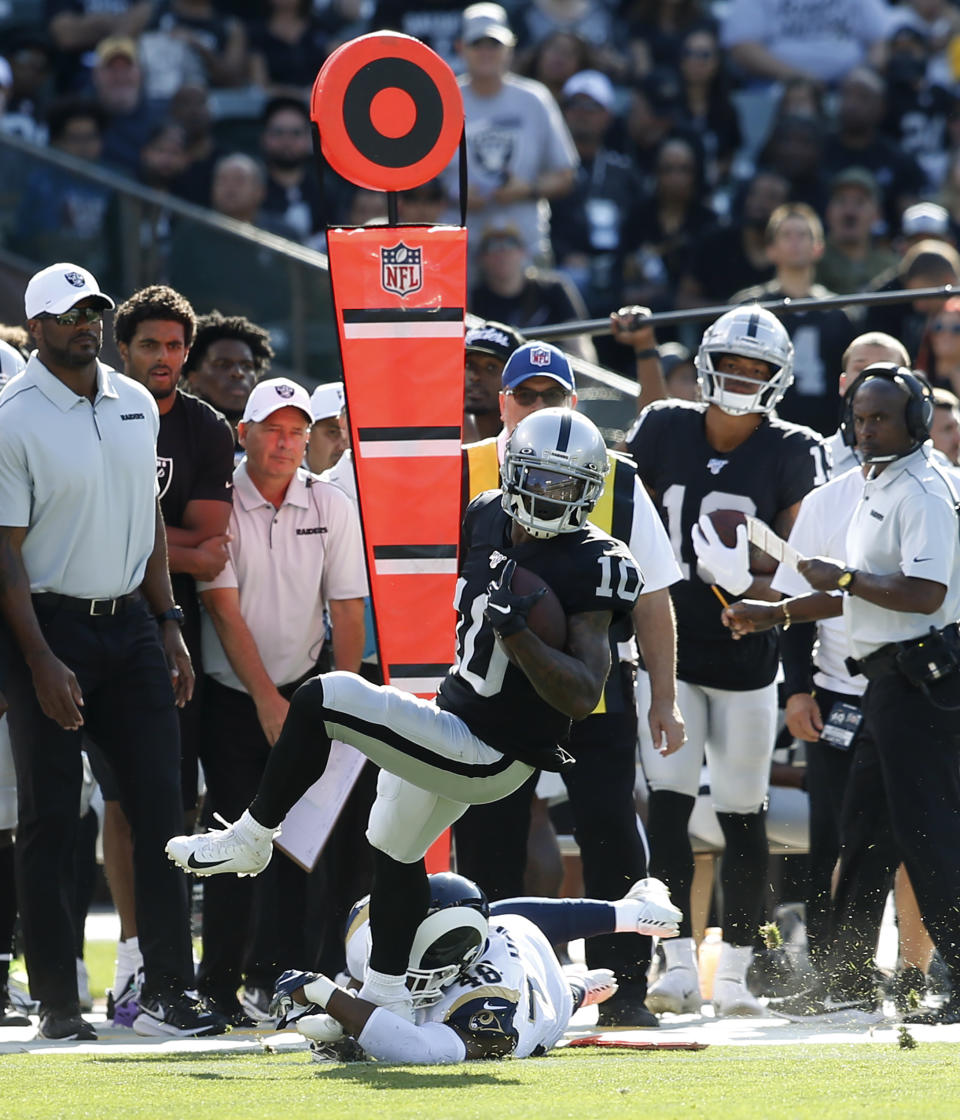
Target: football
{"points": [[546, 618], [725, 521]]}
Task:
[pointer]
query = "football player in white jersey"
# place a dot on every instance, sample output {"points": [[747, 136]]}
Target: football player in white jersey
{"points": [[485, 981]]}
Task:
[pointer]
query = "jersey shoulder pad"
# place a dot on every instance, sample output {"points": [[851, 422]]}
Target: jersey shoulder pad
{"points": [[482, 507], [488, 1019], [788, 430], [615, 574]]}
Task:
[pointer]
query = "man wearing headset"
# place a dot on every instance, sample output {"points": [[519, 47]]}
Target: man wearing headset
{"points": [[900, 603]]}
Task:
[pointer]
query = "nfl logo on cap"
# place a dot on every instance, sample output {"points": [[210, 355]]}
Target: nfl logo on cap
{"points": [[540, 356]]}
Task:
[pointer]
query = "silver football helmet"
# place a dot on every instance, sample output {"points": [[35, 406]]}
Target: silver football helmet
{"points": [[450, 938], [553, 471], [748, 332]]}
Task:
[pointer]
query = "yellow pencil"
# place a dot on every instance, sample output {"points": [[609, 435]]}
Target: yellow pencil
{"points": [[719, 594]]}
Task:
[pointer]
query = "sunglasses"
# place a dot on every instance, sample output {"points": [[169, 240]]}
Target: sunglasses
{"points": [[552, 398], [938, 327], [74, 315]]}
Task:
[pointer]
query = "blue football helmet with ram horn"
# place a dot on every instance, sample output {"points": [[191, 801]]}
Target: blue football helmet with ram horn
{"points": [[450, 938], [553, 472], [752, 332]]}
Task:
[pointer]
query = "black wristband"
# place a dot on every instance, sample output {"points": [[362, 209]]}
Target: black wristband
{"points": [[643, 355]]}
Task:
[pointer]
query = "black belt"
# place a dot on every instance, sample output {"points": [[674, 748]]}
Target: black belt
{"points": [[884, 660], [94, 608]]}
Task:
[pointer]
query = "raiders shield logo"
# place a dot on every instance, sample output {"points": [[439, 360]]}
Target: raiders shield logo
{"points": [[74, 278], [164, 473], [401, 269]]}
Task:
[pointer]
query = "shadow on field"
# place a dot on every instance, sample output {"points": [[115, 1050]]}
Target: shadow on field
{"points": [[390, 1077], [374, 1074]]}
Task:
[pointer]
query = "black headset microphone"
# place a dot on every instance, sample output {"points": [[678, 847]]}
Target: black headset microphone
{"points": [[918, 413]]}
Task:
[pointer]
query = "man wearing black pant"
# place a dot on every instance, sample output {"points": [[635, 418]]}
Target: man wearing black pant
{"points": [[900, 606], [83, 584], [295, 552]]}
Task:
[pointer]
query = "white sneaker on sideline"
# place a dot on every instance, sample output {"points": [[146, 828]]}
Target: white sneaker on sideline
{"points": [[232, 849], [732, 999], [677, 991]]}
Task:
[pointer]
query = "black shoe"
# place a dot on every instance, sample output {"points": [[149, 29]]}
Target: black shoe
{"points": [[906, 988], [771, 973], [947, 1013], [229, 1007], [818, 1001], [626, 1012], [10, 1016], [65, 1026], [177, 1016]]}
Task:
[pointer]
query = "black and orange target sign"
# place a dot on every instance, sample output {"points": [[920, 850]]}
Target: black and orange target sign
{"points": [[388, 110]]}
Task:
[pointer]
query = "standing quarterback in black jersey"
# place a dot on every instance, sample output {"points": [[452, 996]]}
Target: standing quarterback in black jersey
{"points": [[728, 453], [502, 710]]}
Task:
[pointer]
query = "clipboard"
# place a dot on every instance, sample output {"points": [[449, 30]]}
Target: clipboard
{"points": [[763, 537]]}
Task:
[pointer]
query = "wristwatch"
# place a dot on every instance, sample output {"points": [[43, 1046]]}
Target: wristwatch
{"points": [[171, 614], [845, 580]]}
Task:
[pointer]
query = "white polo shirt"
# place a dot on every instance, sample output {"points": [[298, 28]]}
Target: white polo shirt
{"points": [[842, 457], [821, 530], [82, 479], [287, 563], [904, 522]]}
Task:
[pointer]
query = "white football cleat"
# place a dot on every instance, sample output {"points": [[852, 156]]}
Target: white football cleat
{"points": [[677, 992], [649, 910], [598, 984], [242, 848], [732, 999]]}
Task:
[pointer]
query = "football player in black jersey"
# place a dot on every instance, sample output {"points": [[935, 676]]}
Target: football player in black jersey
{"points": [[729, 452], [501, 711]]}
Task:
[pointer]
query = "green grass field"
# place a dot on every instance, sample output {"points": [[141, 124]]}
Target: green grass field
{"points": [[830, 1082], [735, 1083]]}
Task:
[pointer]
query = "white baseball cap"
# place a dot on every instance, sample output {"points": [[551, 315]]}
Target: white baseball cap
{"points": [[486, 21], [592, 84], [327, 400], [276, 393], [928, 219], [59, 287]]}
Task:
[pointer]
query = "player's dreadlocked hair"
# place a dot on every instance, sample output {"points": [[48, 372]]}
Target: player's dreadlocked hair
{"points": [[213, 327], [156, 302]]}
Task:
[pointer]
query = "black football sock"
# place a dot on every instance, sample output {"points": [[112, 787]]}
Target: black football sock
{"points": [[743, 875], [671, 856], [298, 758], [399, 900]]}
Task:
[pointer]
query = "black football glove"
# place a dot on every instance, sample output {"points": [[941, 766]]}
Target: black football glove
{"points": [[505, 610]]}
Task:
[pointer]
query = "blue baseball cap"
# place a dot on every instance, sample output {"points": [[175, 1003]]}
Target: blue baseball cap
{"points": [[538, 359]]}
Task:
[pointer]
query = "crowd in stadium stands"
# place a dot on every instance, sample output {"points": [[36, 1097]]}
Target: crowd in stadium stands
{"points": [[662, 153], [660, 135]]}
